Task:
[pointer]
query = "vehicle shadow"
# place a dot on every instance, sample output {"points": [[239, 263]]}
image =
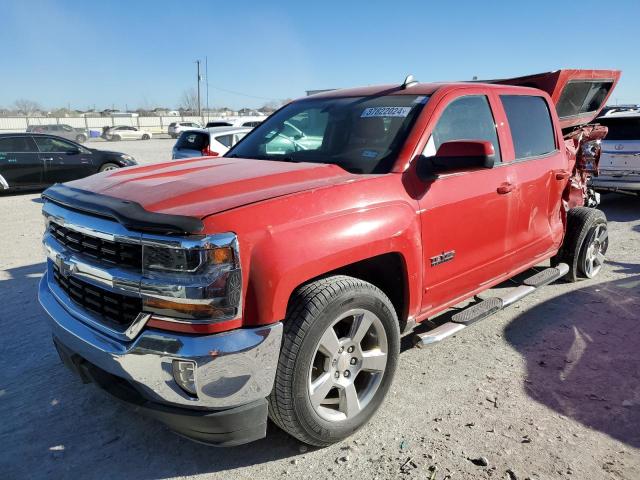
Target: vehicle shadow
{"points": [[53, 426], [581, 352], [620, 208]]}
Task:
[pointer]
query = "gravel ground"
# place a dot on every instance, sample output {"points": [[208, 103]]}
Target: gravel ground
{"points": [[548, 388]]}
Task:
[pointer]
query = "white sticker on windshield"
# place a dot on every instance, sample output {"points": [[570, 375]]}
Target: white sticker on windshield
{"points": [[385, 112]]}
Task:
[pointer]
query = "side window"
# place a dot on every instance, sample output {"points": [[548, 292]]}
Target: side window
{"points": [[49, 145], [17, 145], [226, 140], [466, 118], [530, 123]]}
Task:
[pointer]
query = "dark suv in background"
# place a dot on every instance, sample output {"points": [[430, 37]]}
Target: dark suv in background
{"points": [[37, 160], [79, 135]]}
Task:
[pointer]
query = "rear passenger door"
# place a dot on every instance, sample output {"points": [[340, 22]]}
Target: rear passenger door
{"points": [[541, 172], [19, 162]]}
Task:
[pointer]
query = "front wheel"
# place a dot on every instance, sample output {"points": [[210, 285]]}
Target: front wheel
{"points": [[145, 137], [81, 138], [107, 167], [339, 355]]}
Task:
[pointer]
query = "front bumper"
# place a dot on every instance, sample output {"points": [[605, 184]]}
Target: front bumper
{"points": [[233, 369]]}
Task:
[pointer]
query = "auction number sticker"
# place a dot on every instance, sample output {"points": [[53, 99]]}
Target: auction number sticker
{"points": [[385, 112]]}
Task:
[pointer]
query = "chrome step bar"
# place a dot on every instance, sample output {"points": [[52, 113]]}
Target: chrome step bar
{"points": [[489, 306]]}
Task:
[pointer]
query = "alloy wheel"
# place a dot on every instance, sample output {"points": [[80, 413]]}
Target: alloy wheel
{"points": [[596, 249], [348, 365]]}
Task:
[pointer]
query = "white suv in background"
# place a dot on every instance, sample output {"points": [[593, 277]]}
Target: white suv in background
{"points": [[620, 159], [176, 128], [207, 142]]}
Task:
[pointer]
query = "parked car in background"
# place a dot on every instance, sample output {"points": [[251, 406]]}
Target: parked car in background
{"points": [[176, 128], [241, 122], [619, 169], [36, 160], [208, 142], [125, 132], [79, 135]]}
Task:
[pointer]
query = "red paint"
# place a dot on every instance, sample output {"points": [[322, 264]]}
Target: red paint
{"points": [[298, 221]]}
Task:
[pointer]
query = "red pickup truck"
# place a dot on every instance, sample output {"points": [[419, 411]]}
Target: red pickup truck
{"points": [[213, 293]]}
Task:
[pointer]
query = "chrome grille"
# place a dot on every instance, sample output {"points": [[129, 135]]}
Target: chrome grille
{"points": [[113, 308], [124, 255]]}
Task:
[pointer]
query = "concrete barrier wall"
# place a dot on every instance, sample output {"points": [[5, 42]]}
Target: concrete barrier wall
{"points": [[152, 124]]}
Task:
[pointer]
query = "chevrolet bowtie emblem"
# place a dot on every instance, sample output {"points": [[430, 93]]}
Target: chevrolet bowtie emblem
{"points": [[65, 266]]}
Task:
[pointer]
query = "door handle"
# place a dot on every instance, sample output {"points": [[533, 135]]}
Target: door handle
{"points": [[47, 159], [505, 188], [562, 174]]}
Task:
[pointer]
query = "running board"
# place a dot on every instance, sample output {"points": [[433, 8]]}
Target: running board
{"points": [[491, 305]]}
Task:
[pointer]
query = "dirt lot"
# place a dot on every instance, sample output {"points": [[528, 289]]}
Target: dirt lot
{"points": [[548, 388]]}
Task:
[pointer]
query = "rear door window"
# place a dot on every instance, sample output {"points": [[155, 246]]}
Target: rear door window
{"points": [[193, 141], [466, 118], [226, 140], [530, 124], [621, 128], [17, 145]]}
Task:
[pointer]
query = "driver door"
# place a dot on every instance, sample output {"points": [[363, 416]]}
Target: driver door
{"points": [[465, 215], [63, 160]]}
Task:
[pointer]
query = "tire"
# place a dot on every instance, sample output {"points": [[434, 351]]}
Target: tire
{"points": [[337, 304], [585, 243], [116, 138], [108, 167], [145, 137], [81, 138]]}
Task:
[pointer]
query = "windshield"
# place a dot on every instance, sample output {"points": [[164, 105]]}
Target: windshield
{"points": [[359, 134]]}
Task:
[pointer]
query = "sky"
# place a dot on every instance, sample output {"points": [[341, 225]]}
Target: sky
{"points": [[141, 54]]}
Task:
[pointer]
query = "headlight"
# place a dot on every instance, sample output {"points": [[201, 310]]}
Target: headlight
{"points": [[199, 283], [127, 158]]}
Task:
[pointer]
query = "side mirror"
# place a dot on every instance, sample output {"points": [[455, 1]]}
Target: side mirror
{"points": [[457, 155], [73, 152]]}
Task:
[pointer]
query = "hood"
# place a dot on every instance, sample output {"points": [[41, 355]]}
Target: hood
{"points": [[204, 186], [578, 95]]}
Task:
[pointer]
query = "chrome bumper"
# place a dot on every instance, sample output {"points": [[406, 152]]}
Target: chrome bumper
{"points": [[233, 368]]}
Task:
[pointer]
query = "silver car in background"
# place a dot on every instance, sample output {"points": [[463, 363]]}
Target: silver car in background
{"points": [[620, 158], [79, 135]]}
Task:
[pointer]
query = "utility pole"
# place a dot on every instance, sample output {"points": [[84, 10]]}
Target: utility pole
{"points": [[206, 76], [198, 64]]}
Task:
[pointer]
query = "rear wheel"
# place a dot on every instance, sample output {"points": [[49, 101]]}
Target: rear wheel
{"points": [[585, 244], [338, 359], [145, 137], [81, 138], [108, 167]]}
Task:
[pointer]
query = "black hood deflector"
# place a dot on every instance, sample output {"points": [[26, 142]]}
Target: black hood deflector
{"points": [[130, 214]]}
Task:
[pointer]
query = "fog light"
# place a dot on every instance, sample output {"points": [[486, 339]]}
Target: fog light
{"points": [[184, 373]]}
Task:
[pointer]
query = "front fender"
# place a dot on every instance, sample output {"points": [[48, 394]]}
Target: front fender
{"points": [[291, 254]]}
